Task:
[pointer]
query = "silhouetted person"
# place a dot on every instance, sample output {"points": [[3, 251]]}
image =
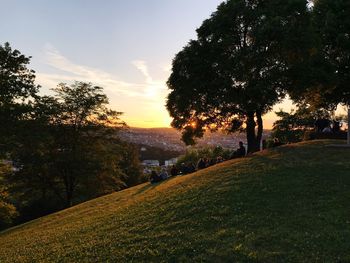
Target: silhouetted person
{"points": [[191, 168], [212, 161], [321, 124], [164, 174], [174, 171], [207, 162], [155, 178], [240, 152], [201, 164], [184, 169], [327, 130], [219, 159], [336, 126], [276, 142]]}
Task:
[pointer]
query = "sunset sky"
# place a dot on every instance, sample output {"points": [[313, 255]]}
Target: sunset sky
{"points": [[124, 46]]}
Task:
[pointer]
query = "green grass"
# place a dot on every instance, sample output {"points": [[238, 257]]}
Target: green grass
{"points": [[289, 204]]}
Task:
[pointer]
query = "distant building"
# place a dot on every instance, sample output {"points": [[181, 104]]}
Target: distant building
{"points": [[152, 163], [170, 162]]}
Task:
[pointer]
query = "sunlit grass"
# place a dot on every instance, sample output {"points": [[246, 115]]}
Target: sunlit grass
{"points": [[290, 204]]}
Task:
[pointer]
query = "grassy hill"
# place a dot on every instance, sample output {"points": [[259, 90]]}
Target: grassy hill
{"points": [[289, 204]]}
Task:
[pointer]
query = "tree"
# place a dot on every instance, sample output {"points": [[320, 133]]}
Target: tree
{"points": [[64, 148], [71, 150], [332, 25], [17, 88], [237, 69]]}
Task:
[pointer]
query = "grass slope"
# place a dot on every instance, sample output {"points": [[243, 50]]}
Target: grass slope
{"points": [[290, 204]]}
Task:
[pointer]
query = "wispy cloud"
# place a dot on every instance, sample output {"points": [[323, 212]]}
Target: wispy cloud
{"points": [[147, 96], [142, 67], [67, 71]]}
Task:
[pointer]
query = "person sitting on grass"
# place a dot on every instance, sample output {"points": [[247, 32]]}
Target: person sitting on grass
{"points": [[191, 168], [174, 171], [212, 162], [183, 169], [164, 174], [219, 159], [240, 152], [276, 142], [155, 178], [201, 164]]}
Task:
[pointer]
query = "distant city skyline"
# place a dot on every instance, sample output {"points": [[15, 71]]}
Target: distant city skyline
{"points": [[124, 46]]}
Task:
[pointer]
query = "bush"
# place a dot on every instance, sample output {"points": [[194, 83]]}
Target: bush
{"points": [[8, 213]]}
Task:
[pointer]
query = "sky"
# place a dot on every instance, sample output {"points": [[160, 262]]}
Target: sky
{"points": [[125, 46]]}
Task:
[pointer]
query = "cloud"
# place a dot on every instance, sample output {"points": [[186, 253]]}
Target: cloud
{"points": [[143, 100], [154, 89], [67, 71], [142, 66]]}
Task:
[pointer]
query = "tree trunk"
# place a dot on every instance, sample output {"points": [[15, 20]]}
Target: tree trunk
{"points": [[251, 138], [68, 189], [260, 130]]}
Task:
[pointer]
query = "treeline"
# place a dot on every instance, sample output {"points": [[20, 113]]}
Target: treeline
{"points": [[56, 150]]}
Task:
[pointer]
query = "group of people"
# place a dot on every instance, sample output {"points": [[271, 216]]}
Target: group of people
{"points": [[156, 178], [327, 126], [190, 167]]}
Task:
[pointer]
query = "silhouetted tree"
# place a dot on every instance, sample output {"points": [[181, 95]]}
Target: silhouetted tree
{"points": [[238, 68], [72, 150], [17, 90], [331, 59]]}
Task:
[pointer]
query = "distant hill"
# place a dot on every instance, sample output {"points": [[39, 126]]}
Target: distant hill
{"points": [[288, 204]]}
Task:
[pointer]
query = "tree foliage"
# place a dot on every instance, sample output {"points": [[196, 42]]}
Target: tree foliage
{"points": [[291, 127], [77, 153], [237, 69], [17, 89], [64, 148], [7, 210], [328, 76], [332, 24]]}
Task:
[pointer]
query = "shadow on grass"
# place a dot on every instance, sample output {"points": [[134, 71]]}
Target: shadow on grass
{"points": [[151, 186]]}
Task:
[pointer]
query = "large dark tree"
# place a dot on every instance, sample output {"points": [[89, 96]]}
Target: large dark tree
{"points": [[238, 68], [332, 25]]}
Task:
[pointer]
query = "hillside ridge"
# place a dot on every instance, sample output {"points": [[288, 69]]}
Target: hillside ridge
{"points": [[287, 204]]}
